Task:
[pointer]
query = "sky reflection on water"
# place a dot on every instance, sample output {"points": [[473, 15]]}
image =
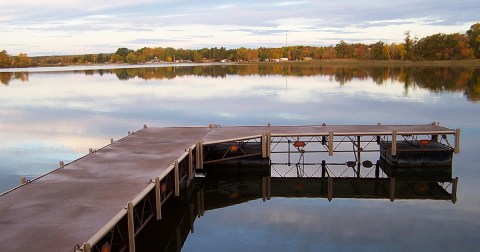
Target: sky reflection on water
{"points": [[54, 116]]}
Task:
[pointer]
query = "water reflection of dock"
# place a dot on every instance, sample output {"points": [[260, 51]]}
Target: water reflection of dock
{"points": [[103, 200], [223, 192], [214, 192]]}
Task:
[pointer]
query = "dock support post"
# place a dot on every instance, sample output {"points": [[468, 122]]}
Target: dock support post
{"points": [[177, 178], [264, 188], [178, 235], [394, 143], [330, 143], [87, 247], [268, 144], [199, 152], [158, 199], [454, 190], [131, 227], [324, 168], [359, 150], [190, 165], [264, 144], [457, 141], [200, 203], [192, 218], [392, 189], [329, 188], [269, 188]]}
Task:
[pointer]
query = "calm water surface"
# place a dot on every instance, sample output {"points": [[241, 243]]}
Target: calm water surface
{"points": [[50, 116]]}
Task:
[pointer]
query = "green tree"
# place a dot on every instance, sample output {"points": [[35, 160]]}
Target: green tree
{"points": [[100, 58], [377, 51], [122, 52], [344, 50], [409, 44]]}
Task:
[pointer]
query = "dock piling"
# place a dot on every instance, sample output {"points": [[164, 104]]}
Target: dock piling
{"points": [[329, 188], [177, 179], [131, 227], [330, 143], [87, 247], [392, 189], [264, 144], [454, 190], [199, 155], [190, 166], [394, 143], [158, 199], [457, 141], [264, 188], [269, 143]]}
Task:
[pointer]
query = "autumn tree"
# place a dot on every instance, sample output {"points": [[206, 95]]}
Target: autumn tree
{"points": [[360, 51], [377, 51], [474, 37], [22, 60], [4, 59], [443, 47], [116, 58], [344, 50], [132, 58], [329, 53]]}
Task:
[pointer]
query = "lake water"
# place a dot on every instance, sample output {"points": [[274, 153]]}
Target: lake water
{"points": [[57, 114]]}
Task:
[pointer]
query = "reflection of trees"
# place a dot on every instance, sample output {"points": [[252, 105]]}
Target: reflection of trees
{"points": [[466, 80], [436, 79], [6, 77]]}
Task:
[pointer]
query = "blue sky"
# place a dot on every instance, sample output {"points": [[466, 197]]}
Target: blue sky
{"points": [[46, 27]]}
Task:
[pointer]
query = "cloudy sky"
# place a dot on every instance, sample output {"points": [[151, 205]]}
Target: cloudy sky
{"points": [[47, 27]]}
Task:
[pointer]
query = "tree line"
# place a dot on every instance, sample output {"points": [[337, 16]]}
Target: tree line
{"points": [[439, 46]]}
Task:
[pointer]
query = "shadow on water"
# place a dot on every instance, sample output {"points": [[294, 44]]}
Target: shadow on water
{"points": [[437, 79], [225, 189]]}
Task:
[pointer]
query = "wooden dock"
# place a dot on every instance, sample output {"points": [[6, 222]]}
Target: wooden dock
{"points": [[107, 196]]}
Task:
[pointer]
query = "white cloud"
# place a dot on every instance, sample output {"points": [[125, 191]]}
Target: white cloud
{"points": [[67, 26], [291, 3]]}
